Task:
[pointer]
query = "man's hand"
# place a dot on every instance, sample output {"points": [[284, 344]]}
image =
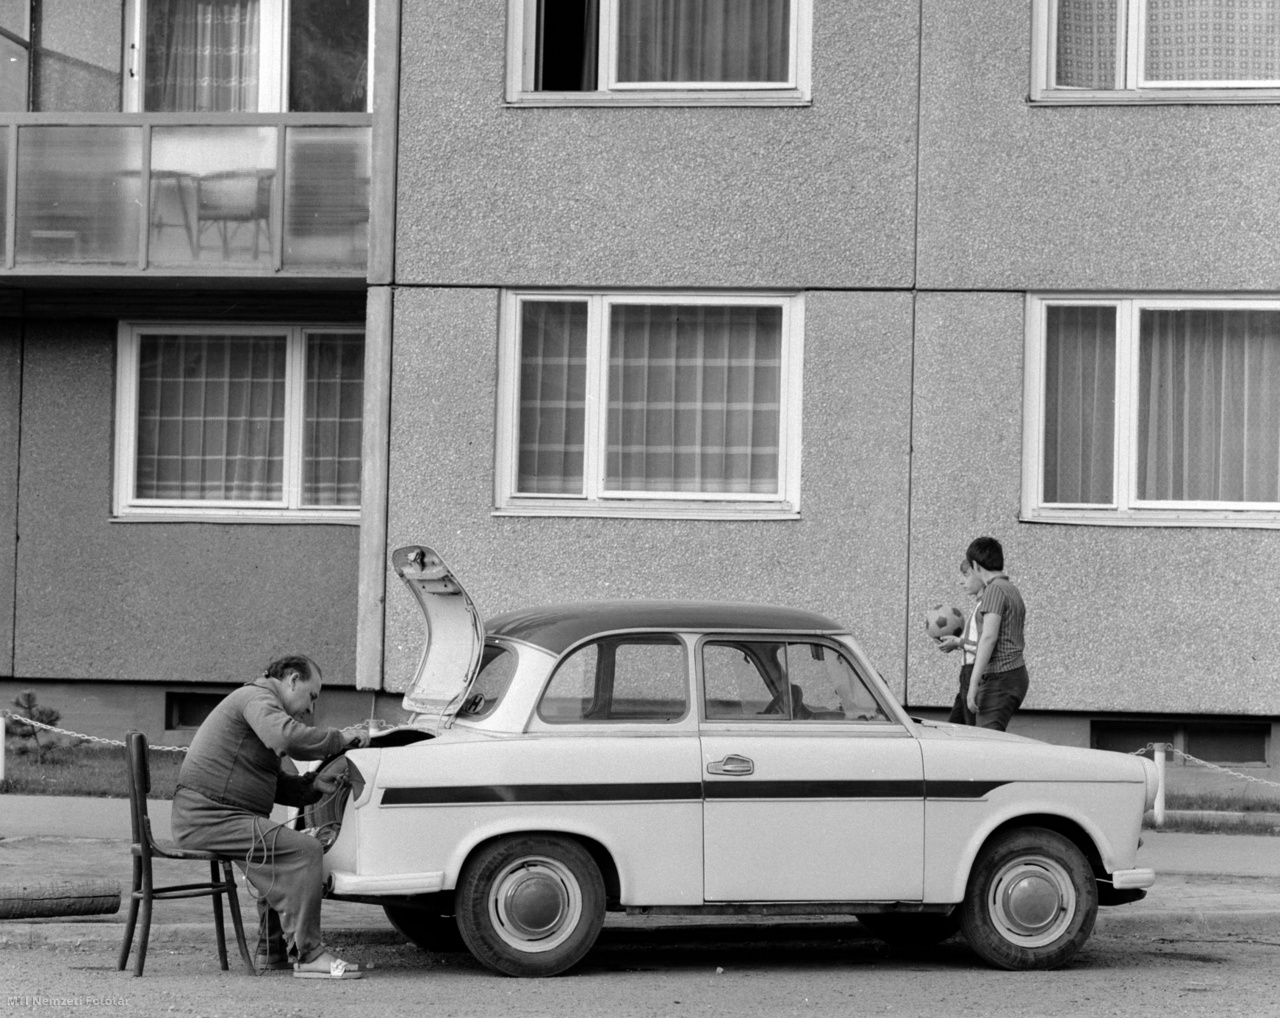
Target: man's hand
{"points": [[358, 739], [326, 783]]}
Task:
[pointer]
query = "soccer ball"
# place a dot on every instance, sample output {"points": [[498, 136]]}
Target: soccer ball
{"points": [[940, 621]]}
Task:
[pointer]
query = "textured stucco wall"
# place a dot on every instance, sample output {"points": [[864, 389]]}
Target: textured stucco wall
{"points": [[10, 395], [178, 602], [1128, 197], [818, 196], [1161, 619], [846, 557]]}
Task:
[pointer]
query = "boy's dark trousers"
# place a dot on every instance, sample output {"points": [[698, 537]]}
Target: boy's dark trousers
{"points": [[1000, 695], [960, 712]]}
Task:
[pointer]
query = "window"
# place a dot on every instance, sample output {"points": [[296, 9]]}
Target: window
{"points": [[650, 405], [187, 711], [239, 421], [632, 678], [497, 668], [1161, 50], [1219, 741], [1153, 411], [578, 52], [761, 680], [185, 56]]}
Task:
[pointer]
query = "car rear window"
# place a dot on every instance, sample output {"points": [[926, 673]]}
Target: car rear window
{"points": [[497, 665]]}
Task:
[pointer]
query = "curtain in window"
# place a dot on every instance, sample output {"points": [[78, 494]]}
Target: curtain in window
{"points": [[553, 397], [1086, 44], [694, 398], [1079, 404], [704, 40], [1213, 40], [202, 56], [211, 418], [333, 419], [1209, 406]]}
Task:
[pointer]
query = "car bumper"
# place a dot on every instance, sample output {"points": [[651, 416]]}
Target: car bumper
{"points": [[345, 883], [1126, 879]]}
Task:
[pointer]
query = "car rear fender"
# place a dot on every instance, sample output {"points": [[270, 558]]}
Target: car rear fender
{"points": [[591, 838]]}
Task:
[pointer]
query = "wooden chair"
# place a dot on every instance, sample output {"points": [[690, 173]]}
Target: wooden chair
{"points": [[144, 891]]}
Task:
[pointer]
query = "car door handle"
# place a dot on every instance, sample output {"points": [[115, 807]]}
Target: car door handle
{"points": [[732, 764]]}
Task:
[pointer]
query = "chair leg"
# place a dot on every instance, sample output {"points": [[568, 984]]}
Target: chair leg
{"points": [[237, 923], [218, 927], [144, 934], [131, 920]]}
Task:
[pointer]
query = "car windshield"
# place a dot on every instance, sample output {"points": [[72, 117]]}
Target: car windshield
{"points": [[497, 665]]}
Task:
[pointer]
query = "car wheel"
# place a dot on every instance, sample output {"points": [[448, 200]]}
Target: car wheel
{"points": [[530, 905], [430, 931], [911, 931], [1031, 902]]}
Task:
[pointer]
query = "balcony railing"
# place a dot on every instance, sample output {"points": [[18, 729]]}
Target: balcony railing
{"points": [[222, 194]]}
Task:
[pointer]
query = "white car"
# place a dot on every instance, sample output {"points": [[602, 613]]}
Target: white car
{"points": [[692, 758]]}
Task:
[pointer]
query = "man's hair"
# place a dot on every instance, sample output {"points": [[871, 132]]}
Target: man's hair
{"points": [[299, 663], [986, 552]]}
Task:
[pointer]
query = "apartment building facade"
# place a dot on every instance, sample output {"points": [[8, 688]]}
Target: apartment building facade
{"points": [[774, 300]]}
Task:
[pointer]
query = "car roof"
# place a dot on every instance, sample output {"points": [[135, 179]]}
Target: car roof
{"points": [[557, 627]]}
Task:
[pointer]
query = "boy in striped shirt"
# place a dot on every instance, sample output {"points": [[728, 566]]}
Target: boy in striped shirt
{"points": [[998, 683]]}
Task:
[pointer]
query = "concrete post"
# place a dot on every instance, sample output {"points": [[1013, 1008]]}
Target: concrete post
{"points": [[1159, 749]]}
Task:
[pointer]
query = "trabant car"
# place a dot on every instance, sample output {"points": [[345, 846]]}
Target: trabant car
{"points": [[693, 758]]}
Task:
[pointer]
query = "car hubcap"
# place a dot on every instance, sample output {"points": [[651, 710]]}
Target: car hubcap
{"points": [[1032, 901], [535, 904]]}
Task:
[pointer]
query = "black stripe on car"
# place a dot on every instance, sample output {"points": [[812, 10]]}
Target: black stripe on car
{"points": [[687, 791]]}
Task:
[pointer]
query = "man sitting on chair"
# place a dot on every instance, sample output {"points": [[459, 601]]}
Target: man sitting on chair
{"points": [[231, 777]]}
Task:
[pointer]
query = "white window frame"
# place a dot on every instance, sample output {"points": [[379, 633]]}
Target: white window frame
{"points": [[596, 500], [273, 56], [522, 47], [1125, 509], [1131, 85], [126, 506]]}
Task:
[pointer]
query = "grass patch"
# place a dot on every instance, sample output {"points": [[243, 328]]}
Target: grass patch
{"points": [[84, 769], [1225, 802]]}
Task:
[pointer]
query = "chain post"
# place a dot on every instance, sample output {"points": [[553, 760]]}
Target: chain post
{"points": [[1159, 752]]}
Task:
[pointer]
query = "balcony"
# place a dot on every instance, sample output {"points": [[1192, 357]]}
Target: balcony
{"points": [[185, 194]]}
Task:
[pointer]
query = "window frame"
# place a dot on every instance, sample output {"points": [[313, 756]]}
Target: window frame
{"points": [[1130, 83], [127, 507], [641, 637], [521, 48], [273, 59], [596, 500], [1125, 508]]}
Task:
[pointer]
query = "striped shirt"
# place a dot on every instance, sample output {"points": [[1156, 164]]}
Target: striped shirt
{"points": [[1000, 597]]}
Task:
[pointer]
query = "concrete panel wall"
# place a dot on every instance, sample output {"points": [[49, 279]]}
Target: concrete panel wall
{"points": [[10, 417], [1119, 619], [846, 557], [820, 196], [182, 602], [1126, 197]]}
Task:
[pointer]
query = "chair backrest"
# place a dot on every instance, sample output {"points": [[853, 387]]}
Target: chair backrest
{"points": [[138, 774]]}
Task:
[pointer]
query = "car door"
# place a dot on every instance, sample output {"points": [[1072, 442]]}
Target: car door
{"points": [[812, 789]]}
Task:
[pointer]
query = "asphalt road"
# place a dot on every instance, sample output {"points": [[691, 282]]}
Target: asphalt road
{"points": [[818, 968]]}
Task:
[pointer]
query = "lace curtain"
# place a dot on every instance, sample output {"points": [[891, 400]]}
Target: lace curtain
{"points": [[1213, 40], [333, 419], [202, 56], [553, 399]]}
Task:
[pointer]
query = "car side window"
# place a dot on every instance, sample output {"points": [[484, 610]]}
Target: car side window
{"points": [[631, 678], [776, 681]]}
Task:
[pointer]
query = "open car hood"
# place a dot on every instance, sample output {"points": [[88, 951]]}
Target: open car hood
{"points": [[453, 638]]}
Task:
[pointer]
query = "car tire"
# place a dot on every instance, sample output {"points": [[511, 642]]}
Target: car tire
{"points": [[432, 932], [911, 931], [530, 905], [1031, 902]]}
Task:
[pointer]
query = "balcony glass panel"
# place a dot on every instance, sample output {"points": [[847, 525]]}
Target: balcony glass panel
{"points": [[211, 195], [327, 197], [78, 194], [13, 75]]}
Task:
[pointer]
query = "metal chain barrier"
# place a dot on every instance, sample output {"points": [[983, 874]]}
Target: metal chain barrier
{"points": [[1151, 746], [109, 742]]}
